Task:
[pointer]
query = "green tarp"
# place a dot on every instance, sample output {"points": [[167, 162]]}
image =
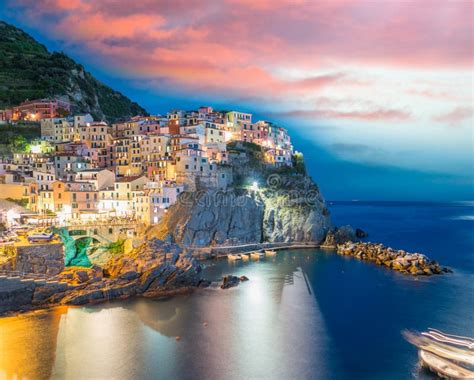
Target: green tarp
{"points": [[75, 251]]}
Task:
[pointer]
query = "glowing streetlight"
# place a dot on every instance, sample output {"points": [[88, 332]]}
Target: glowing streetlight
{"points": [[254, 186], [36, 148]]}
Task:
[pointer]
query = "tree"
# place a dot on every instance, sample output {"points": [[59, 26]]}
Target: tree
{"points": [[298, 163], [62, 112], [18, 144]]}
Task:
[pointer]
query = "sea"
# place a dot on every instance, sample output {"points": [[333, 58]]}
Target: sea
{"points": [[305, 314]]}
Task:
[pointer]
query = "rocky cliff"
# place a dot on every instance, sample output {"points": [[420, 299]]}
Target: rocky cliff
{"points": [[264, 204], [155, 268]]}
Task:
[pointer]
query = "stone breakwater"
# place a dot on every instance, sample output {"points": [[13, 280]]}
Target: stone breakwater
{"points": [[154, 269], [415, 264]]}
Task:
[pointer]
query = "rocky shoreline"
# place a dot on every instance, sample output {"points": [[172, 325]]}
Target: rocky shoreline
{"points": [[154, 269], [158, 268], [415, 264]]}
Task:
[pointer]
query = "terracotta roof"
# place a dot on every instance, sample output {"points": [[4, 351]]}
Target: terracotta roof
{"points": [[128, 179]]}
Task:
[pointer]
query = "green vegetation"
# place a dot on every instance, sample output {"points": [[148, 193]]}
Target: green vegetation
{"points": [[19, 202], [298, 163], [17, 138], [116, 248], [29, 71], [255, 169], [244, 146]]}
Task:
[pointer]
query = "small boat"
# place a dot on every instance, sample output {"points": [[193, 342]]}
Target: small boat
{"points": [[270, 252], [38, 237], [444, 368], [234, 257], [257, 255], [245, 257], [449, 356]]}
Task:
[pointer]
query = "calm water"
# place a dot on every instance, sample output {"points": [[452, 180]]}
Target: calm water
{"points": [[303, 315]]}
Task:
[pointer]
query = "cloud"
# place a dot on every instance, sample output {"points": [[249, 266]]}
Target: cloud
{"points": [[432, 94], [378, 114], [455, 116], [276, 32], [287, 53]]}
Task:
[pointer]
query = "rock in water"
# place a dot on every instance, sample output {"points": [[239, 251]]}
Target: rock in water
{"points": [[339, 235], [361, 233], [230, 281]]}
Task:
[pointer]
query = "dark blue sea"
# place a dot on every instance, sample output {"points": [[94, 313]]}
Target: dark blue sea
{"points": [[306, 314]]}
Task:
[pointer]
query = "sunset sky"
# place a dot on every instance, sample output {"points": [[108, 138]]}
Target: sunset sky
{"points": [[378, 95]]}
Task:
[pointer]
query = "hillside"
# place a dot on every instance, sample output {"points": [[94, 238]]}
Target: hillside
{"points": [[29, 71]]}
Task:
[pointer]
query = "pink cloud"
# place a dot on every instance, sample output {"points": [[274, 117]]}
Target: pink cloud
{"points": [[238, 47], [378, 114], [389, 33], [456, 116], [432, 94]]}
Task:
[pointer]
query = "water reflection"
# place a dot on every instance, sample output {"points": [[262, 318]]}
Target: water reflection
{"points": [[28, 345], [305, 314], [249, 331]]}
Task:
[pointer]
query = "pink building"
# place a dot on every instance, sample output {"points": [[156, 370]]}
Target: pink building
{"points": [[40, 109]]}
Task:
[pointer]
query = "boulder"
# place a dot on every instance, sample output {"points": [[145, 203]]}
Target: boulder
{"points": [[130, 275], [344, 234], [81, 276], [230, 281]]}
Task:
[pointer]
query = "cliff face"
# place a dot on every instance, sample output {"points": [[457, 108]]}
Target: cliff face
{"points": [[29, 71], [285, 206], [213, 217], [295, 212]]}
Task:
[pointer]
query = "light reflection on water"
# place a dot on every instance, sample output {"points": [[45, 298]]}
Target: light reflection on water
{"points": [[305, 314], [258, 330]]}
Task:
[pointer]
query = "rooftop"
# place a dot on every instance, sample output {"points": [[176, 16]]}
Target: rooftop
{"points": [[128, 179]]}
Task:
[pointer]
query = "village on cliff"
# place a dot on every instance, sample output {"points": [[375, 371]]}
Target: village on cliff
{"points": [[82, 170]]}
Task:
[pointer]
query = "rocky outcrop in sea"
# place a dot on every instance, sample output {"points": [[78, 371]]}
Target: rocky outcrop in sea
{"points": [[415, 264], [295, 213], [262, 204]]}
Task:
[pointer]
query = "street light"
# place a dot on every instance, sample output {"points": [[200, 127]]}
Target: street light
{"points": [[254, 186]]}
